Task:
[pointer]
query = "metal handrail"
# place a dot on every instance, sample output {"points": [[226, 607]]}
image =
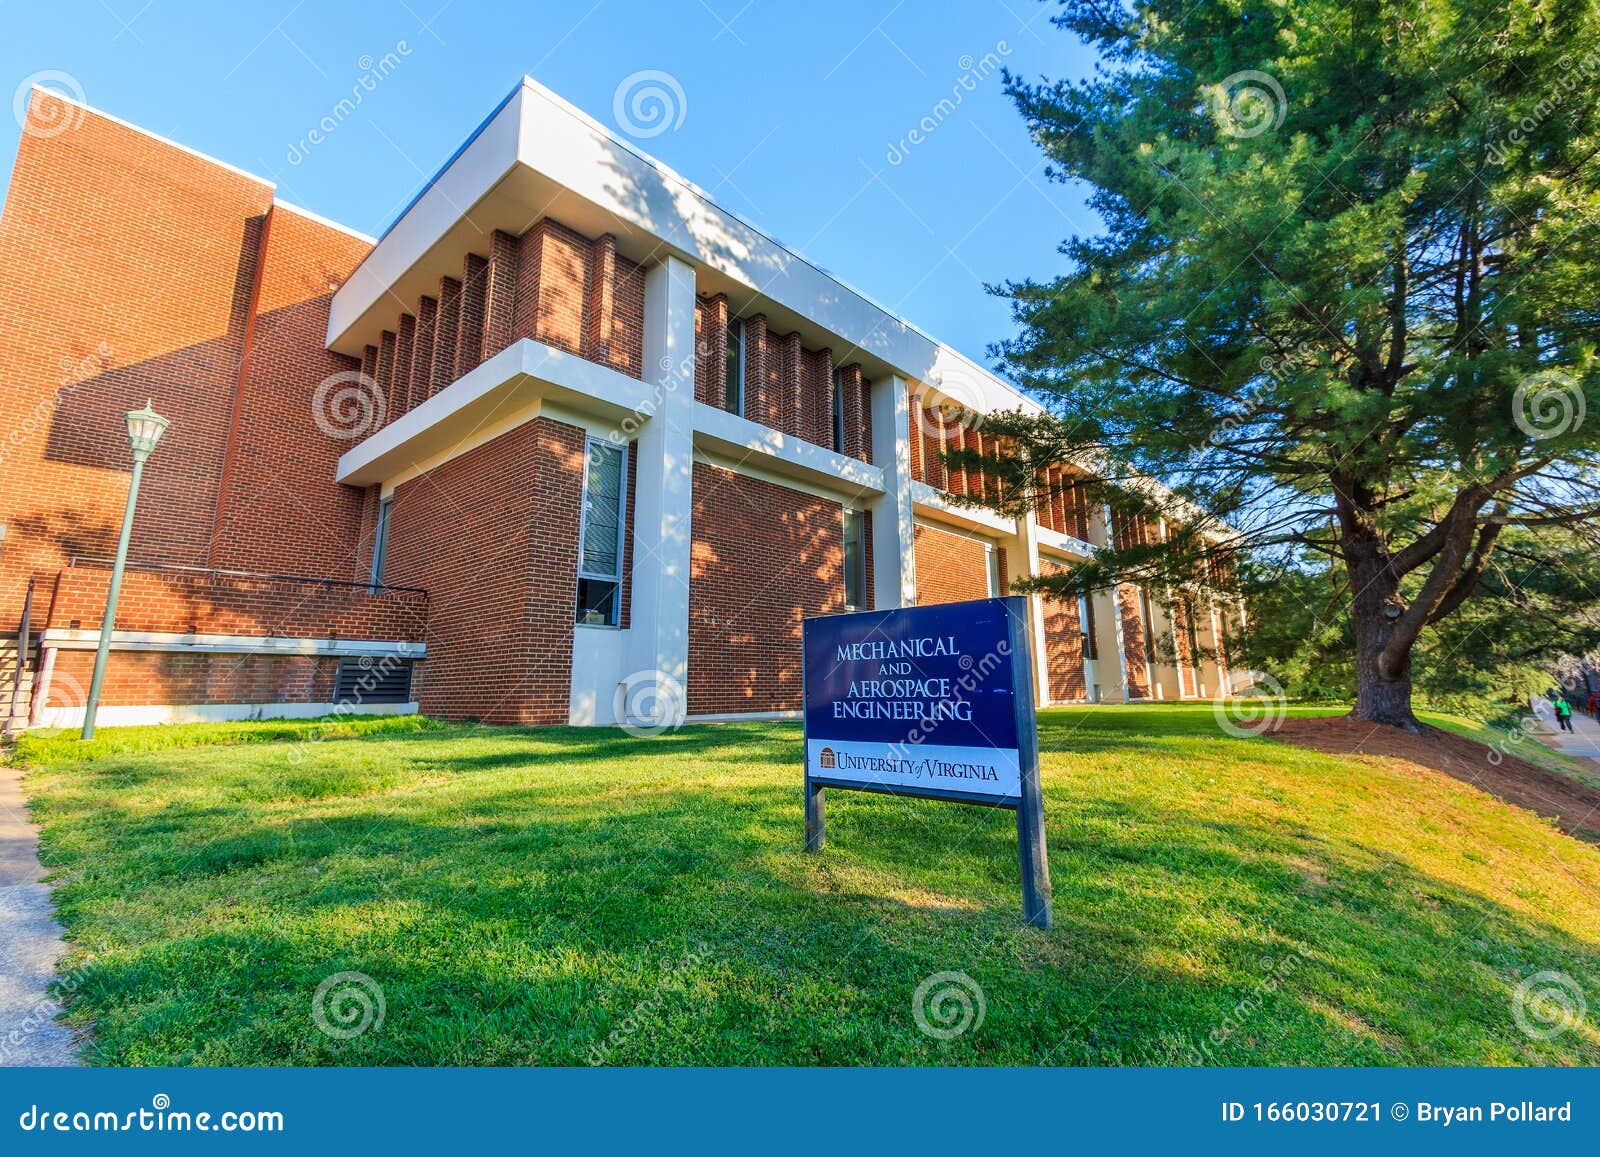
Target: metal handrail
{"points": [[309, 580], [22, 650]]}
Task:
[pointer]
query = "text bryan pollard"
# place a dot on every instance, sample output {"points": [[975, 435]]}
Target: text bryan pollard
{"points": [[1518, 1113]]}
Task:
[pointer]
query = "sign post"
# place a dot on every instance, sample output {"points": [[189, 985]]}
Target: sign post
{"points": [[934, 702]]}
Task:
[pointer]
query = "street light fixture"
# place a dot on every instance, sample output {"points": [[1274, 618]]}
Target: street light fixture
{"points": [[145, 428]]}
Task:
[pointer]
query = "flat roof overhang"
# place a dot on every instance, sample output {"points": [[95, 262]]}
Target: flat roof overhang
{"points": [[525, 374], [537, 155]]}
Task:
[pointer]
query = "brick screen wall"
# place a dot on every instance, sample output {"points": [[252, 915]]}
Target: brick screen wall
{"points": [[493, 535], [786, 386], [764, 557], [951, 568]]}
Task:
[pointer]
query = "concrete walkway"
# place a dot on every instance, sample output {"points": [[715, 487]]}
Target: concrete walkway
{"points": [[30, 943], [1584, 739]]}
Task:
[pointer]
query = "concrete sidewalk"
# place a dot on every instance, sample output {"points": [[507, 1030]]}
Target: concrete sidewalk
{"points": [[30, 943], [1584, 739]]}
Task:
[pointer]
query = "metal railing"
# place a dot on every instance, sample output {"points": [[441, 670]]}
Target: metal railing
{"points": [[215, 572]]}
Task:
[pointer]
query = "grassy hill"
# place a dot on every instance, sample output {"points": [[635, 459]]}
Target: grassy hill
{"points": [[571, 896]]}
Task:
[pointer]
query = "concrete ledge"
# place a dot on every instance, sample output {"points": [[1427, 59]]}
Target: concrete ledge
{"points": [[935, 504], [745, 717], [739, 439], [65, 639], [1058, 543]]}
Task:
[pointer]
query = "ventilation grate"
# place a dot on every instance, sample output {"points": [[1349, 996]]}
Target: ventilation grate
{"points": [[384, 679]]}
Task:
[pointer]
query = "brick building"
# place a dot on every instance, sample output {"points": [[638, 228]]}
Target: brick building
{"points": [[569, 443]]}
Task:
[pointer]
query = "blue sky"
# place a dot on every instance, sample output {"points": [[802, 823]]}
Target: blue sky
{"points": [[797, 117]]}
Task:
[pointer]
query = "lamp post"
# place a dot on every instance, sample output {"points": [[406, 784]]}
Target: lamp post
{"points": [[145, 428]]}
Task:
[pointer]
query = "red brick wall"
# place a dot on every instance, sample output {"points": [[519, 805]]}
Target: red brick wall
{"points": [[764, 557], [493, 535], [136, 678], [951, 568], [282, 511], [126, 271], [233, 605]]}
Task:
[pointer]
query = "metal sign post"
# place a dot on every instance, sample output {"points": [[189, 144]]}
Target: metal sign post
{"points": [[934, 702]]}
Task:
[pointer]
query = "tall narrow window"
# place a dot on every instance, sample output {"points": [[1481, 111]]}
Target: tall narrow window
{"points": [[1147, 621], [855, 562], [1191, 629], [380, 543], [838, 411], [994, 573], [733, 368], [600, 538], [1091, 649]]}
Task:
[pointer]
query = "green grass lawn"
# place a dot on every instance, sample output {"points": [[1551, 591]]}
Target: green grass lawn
{"points": [[524, 896]]}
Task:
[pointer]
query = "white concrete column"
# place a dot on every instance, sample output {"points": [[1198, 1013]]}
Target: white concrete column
{"points": [[657, 653], [1116, 610], [894, 563], [1027, 540]]}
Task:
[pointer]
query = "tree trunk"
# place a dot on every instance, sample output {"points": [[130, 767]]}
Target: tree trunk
{"points": [[1383, 688]]}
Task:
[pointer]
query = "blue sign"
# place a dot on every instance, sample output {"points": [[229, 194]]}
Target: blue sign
{"points": [[931, 701], [922, 701]]}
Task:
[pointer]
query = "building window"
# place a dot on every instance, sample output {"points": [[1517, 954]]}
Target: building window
{"points": [[1190, 626], [994, 573], [1091, 649], [1147, 621], [605, 476], [838, 411], [733, 368], [380, 543], [855, 562]]}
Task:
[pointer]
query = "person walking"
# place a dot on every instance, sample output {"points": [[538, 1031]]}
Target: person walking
{"points": [[1563, 713]]}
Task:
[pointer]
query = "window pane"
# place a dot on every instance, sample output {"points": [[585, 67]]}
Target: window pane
{"points": [[597, 602], [733, 369], [602, 511], [854, 561], [380, 544]]}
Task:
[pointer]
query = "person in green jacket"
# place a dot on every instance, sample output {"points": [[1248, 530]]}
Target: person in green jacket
{"points": [[1564, 713]]}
